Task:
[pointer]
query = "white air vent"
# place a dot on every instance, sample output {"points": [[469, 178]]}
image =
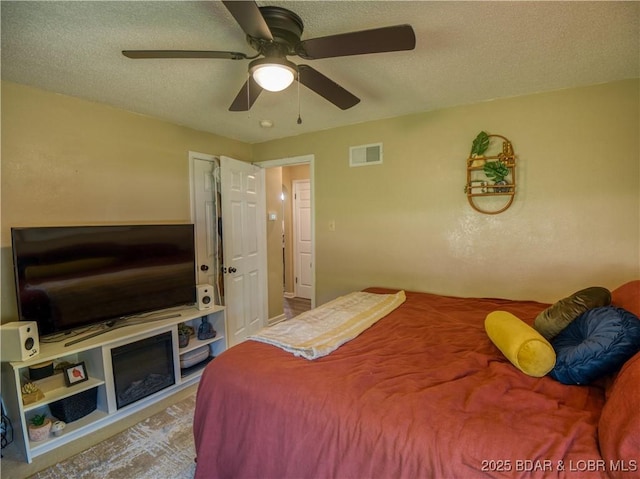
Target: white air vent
{"points": [[364, 155]]}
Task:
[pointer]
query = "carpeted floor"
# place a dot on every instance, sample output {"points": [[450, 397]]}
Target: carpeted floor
{"points": [[160, 447]]}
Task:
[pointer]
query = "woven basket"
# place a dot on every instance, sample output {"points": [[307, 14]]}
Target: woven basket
{"points": [[75, 407]]}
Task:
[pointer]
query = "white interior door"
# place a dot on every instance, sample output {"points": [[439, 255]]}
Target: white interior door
{"points": [[302, 239], [244, 242]]}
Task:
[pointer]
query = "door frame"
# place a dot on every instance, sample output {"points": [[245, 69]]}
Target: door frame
{"points": [[299, 160], [194, 155], [193, 158]]}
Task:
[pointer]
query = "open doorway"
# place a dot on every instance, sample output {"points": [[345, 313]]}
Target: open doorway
{"points": [[283, 256]]}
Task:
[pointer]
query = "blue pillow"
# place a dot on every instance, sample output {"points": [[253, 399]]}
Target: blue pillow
{"points": [[596, 343]]}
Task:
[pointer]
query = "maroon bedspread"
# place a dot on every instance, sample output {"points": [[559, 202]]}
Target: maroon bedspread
{"points": [[421, 394]]}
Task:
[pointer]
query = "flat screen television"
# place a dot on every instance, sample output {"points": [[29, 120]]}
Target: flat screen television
{"points": [[73, 276]]}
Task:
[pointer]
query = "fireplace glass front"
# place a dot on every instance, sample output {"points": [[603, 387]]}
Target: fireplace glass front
{"points": [[142, 368]]}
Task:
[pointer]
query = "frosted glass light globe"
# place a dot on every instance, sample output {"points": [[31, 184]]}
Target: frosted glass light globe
{"points": [[272, 75]]}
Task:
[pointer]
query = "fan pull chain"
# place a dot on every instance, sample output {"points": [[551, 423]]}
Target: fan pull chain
{"points": [[299, 117], [248, 96]]}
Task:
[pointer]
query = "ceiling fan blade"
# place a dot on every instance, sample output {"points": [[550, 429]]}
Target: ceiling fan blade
{"points": [[325, 87], [245, 99], [137, 54], [386, 39], [248, 16]]}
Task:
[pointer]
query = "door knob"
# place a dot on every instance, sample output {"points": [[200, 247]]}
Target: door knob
{"points": [[204, 267], [232, 269]]}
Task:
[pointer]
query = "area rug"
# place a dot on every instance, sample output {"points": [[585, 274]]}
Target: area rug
{"points": [[158, 447]]}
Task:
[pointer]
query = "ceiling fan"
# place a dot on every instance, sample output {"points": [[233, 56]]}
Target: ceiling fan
{"points": [[274, 33]]}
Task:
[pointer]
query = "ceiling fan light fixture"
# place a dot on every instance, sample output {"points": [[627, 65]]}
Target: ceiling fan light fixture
{"points": [[273, 74]]}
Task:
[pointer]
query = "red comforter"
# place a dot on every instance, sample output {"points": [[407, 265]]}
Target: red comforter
{"points": [[421, 394]]}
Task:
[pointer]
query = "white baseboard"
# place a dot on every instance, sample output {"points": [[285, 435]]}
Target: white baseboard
{"points": [[276, 319]]}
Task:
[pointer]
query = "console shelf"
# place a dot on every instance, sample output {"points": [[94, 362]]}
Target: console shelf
{"points": [[191, 371], [95, 352], [61, 391], [73, 430]]}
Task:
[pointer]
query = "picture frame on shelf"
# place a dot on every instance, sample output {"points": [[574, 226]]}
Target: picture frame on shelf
{"points": [[75, 373]]}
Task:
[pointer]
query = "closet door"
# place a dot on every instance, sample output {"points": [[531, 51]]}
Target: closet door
{"points": [[302, 238], [244, 252]]}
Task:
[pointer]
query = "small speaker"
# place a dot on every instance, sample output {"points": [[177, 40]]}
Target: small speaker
{"points": [[19, 341], [205, 296]]}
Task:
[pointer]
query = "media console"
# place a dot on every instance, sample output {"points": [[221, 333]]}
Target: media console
{"points": [[104, 360]]}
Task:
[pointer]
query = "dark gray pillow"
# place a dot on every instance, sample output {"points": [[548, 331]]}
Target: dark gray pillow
{"points": [[558, 316]]}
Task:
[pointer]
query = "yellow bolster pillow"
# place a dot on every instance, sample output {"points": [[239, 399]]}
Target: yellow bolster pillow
{"points": [[527, 349]]}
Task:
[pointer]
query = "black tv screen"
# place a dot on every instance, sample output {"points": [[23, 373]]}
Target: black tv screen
{"points": [[73, 276]]}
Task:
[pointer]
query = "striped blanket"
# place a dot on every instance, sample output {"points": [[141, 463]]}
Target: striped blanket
{"points": [[322, 330]]}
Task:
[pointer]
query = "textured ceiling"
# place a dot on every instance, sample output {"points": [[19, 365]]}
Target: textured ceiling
{"points": [[466, 52]]}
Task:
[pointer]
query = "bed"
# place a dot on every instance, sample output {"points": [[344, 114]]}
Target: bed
{"points": [[422, 393]]}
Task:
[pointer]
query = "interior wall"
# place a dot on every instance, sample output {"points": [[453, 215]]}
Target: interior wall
{"points": [[67, 161], [275, 265], [406, 223]]}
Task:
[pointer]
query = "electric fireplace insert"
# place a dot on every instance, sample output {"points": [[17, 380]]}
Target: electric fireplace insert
{"points": [[142, 368]]}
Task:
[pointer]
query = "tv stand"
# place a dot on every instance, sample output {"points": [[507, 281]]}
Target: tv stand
{"points": [[108, 327], [95, 351], [111, 325]]}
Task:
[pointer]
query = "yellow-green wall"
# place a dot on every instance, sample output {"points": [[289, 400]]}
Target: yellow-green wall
{"points": [[68, 161], [275, 264], [406, 223]]}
